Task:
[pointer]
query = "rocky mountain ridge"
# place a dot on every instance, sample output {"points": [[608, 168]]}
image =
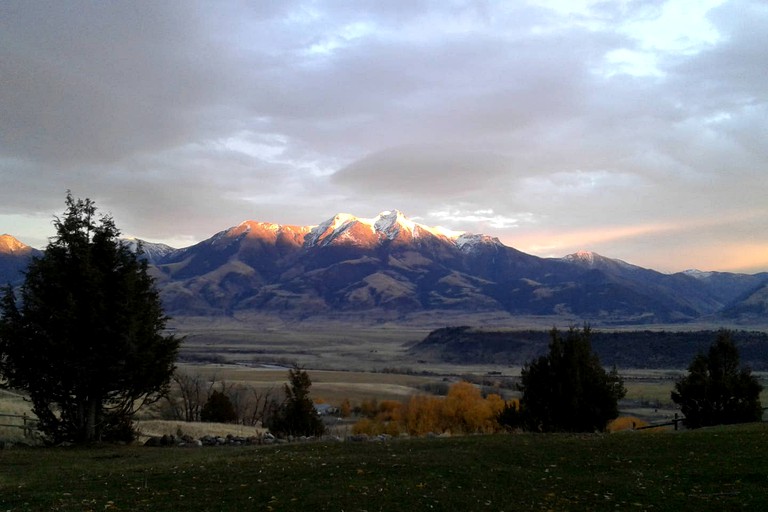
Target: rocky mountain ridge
{"points": [[390, 267]]}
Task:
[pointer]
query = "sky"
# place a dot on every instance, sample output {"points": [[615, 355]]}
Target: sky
{"points": [[636, 129]]}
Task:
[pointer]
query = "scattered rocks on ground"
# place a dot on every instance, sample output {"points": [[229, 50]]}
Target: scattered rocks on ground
{"points": [[263, 439]]}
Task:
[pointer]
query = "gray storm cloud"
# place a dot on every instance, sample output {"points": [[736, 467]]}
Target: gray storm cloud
{"points": [[558, 122]]}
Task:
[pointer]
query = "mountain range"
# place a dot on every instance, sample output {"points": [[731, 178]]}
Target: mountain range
{"points": [[390, 267]]}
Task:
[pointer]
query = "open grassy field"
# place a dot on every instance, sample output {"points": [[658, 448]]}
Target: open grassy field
{"points": [[334, 345], [331, 386], [329, 347], [714, 469]]}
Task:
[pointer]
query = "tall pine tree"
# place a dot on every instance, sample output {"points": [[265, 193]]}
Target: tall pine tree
{"points": [[87, 339]]}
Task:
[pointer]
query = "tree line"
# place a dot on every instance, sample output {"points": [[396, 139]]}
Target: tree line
{"points": [[568, 390]]}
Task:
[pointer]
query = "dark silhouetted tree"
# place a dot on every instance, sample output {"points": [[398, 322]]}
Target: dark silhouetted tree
{"points": [[297, 416], [717, 390], [511, 416], [568, 390], [86, 340], [218, 409]]}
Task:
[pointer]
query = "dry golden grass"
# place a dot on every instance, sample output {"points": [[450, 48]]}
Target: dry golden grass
{"points": [[157, 428], [327, 385], [625, 423]]}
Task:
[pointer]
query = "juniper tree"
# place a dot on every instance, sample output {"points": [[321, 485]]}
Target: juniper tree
{"points": [[86, 338], [717, 390], [297, 415], [218, 409], [568, 390]]}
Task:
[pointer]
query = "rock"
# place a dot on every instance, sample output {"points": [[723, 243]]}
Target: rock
{"points": [[152, 441]]}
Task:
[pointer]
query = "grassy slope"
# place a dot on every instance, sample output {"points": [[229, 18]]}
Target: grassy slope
{"points": [[711, 469]]}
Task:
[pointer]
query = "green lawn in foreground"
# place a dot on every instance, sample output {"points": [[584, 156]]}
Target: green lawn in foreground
{"points": [[711, 469]]}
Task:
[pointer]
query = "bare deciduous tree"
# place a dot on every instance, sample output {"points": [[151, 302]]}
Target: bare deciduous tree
{"points": [[190, 392]]}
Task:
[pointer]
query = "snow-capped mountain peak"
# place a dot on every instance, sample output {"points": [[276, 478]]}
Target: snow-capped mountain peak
{"points": [[470, 241], [329, 229], [152, 251], [391, 222], [387, 225], [584, 257], [698, 274], [591, 259], [10, 245]]}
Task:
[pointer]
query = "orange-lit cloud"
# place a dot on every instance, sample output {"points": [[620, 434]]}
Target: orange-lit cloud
{"points": [[745, 257], [708, 243], [553, 243]]}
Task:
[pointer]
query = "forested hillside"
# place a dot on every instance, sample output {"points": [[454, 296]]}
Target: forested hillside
{"points": [[630, 349]]}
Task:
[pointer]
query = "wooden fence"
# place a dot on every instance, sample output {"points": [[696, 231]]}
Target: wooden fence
{"points": [[28, 424], [673, 422]]}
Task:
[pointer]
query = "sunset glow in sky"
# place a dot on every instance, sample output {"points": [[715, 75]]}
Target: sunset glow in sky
{"points": [[635, 129]]}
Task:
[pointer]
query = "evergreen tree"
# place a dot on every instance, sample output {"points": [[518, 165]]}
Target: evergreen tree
{"points": [[568, 390], [218, 409], [511, 416], [86, 340], [297, 415], [716, 390]]}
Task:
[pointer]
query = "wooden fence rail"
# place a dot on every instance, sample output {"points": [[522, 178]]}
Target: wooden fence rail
{"points": [[673, 422], [28, 423]]}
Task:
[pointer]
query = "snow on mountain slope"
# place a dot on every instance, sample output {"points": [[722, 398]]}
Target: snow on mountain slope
{"points": [[14, 258], [387, 225], [468, 241], [698, 274], [153, 252], [10, 245], [594, 260]]}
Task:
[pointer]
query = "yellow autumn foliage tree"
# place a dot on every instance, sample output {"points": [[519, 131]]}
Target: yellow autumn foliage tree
{"points": [[463, 411], [423, 415]]}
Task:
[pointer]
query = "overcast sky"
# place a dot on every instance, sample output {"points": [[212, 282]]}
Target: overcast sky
{"points": [[635, 129]]}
